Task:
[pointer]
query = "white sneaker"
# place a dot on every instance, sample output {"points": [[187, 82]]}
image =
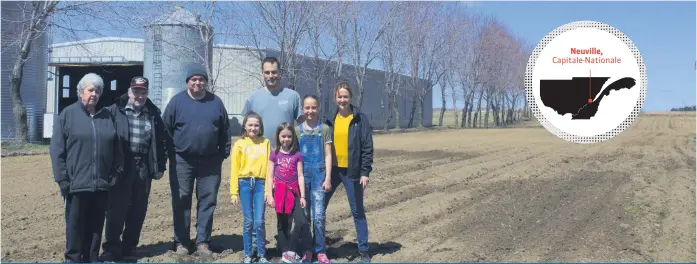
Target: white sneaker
{"points": [[289, 257]]}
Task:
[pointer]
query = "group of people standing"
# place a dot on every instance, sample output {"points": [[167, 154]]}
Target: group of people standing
{"points": [[105, 158]]}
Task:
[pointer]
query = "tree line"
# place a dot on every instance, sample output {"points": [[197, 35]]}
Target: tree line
{"points": [[475, 60], [684, 109]]}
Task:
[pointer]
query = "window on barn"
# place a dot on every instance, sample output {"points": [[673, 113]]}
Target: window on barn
{"points": [[66, 81], [66, 86]]}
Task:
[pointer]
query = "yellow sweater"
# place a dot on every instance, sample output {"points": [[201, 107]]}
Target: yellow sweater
{"points": [[250, 158]]}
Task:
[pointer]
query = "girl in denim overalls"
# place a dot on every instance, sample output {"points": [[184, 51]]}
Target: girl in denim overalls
{"points": [[315, 140]]}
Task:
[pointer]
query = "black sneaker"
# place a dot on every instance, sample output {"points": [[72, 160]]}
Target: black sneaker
{"points": [[109, 257], [365, 257]]}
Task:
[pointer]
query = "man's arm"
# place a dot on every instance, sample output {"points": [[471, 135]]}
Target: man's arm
{"points": [[247, 107], [117, 168], [225, 142], [169, 118], [161, 144], [118, 159], [299, 117], [59, 153]]}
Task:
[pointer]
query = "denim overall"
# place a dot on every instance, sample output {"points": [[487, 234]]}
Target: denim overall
{"points": [[312, 149]]}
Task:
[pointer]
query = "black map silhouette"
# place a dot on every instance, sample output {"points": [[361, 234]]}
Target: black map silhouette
{"points": [[571, 96]]}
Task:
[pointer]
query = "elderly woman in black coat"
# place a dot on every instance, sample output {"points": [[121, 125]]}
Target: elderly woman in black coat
{"points": [[87, 160]]}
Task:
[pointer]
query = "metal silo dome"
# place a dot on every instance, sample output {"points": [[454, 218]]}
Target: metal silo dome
{"points": [[174, 48]]}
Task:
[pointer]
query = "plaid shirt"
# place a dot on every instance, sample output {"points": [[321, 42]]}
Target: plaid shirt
{"points": [[140, 129]]}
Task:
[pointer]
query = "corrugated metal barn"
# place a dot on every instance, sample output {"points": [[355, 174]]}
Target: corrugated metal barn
{"points": [[34, 79], [236, 70]]}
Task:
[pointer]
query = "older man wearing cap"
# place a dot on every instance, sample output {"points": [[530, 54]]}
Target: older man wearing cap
{"points": [[143, 137], [199, 126]]}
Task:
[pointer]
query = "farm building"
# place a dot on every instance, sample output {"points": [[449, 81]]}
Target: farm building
{"points": [[172, 48]]}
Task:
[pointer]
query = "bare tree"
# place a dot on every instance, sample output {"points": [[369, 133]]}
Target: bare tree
{"points": [[517, 91], [338, 26], [277, 25], [504, 71], [452, 33], [454, 94], [492, 45], [71, 20], [31, 26], [365, 34], [482, 68], [320, 55], [289, 22], [467, 72], [391, 42], [222, 15], [426, 48]]}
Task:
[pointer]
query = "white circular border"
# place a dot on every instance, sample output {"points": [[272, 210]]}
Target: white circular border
{"points": [[529, 85]]}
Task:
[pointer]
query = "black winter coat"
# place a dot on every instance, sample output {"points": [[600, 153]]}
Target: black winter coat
{"points": [[85, 150], [360, 145], [157, 157]]}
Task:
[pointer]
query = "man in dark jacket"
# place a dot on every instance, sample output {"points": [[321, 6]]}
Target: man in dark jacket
{"points": [[143, 138], [198, 124], [87, 161]]}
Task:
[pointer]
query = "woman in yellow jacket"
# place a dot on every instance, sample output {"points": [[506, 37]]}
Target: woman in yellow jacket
{"points": [[248, 184]]}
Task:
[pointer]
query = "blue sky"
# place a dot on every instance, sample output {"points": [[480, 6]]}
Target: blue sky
{"points": [[664, 33]]}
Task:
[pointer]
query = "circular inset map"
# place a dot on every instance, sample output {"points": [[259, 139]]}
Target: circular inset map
{"points": [[585, 82]]}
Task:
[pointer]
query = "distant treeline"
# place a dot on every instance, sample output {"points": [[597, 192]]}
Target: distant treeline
{"points": [[683, 109]]}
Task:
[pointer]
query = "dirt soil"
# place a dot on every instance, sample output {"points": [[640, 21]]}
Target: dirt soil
{"points": [[496, 195]]}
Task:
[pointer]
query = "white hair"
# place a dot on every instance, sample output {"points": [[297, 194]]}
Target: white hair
{"points": [[93, 79]]}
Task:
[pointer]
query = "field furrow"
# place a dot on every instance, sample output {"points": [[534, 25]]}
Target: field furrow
{"points": [[496, 195]]}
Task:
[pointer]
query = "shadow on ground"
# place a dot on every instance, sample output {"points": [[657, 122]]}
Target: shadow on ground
{"points": [[349, 250], [226, 245], [221, 245]]}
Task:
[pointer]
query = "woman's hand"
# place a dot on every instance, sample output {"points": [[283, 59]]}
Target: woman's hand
{"points": [[364, 182], [302, 202], [327, 185], [234, 200]]}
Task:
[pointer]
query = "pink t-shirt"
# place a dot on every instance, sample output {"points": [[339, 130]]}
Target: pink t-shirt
{"points": [[286, 166]]}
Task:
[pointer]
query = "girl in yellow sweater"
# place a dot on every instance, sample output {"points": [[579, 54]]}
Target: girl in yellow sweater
{"points": [[249, 169]]}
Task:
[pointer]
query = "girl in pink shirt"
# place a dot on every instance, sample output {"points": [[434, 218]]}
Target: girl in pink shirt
{"points": [[286, 170]]}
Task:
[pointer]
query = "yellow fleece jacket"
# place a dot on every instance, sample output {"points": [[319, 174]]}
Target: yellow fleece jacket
{"points": [[250, 158]]}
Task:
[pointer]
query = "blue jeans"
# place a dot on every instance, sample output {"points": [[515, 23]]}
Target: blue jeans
{"points": [[354, 192], [252, 202], [315, 209]]}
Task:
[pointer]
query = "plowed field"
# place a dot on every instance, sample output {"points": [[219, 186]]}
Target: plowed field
{"points": [[517, 194]]}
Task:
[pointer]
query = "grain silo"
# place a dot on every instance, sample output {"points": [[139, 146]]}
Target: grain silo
{"points": [[174, 47], [33, 88]]}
